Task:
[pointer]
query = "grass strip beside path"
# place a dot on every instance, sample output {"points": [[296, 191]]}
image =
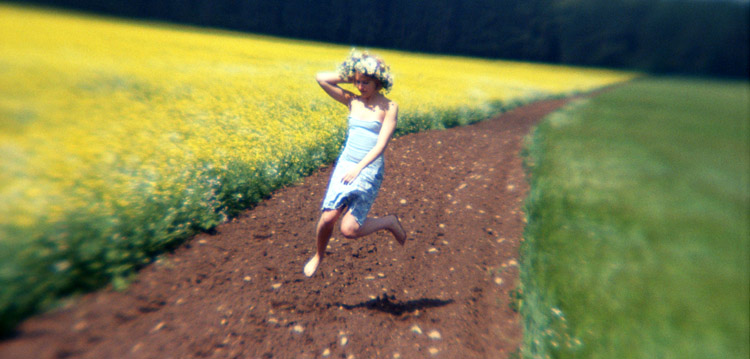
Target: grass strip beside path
{"points": [[637, 241]]}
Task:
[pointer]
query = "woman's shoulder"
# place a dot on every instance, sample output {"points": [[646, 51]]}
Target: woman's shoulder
{"points": [[389, 104]]}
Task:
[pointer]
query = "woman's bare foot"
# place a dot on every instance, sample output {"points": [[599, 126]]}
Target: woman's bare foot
{"points": [[399, 233], [312, 266]]}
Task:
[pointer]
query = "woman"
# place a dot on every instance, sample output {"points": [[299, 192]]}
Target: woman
{"points": [[356, 179]]}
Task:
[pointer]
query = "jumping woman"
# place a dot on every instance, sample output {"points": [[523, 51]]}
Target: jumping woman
{"points": [[360, 167]]}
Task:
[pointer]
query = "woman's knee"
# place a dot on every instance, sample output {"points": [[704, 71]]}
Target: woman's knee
{"points": [[349, 228]]}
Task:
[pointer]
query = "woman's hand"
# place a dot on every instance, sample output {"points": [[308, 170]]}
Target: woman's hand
{"points": [[351, 175]]}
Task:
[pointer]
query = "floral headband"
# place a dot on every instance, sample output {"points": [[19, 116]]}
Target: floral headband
{"points": [[366, 64]]}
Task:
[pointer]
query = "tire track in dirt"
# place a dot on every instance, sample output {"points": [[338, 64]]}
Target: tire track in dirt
{"points": [[239, 291]]}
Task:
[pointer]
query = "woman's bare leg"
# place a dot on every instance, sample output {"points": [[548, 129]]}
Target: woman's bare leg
{"points": [[325, 228], [350, 228]]}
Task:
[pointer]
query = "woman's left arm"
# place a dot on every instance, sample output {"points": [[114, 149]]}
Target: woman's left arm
{"points": [[386, 131]]}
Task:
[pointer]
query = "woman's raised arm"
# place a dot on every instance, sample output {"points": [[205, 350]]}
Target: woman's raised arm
{"points": [[330, 81]]}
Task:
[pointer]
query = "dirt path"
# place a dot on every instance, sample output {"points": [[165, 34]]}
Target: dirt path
{"points": [[240, 292]]}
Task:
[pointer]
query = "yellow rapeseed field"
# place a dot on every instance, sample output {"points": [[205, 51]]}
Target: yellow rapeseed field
{"points": [[127, 135], [89, 102]]}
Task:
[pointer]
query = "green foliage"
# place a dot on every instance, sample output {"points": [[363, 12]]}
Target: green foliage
{"points": [[656, 36], [447, 118], [638, 236]]}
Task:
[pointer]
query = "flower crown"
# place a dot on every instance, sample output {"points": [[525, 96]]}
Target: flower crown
{"points": [[366, 64]]}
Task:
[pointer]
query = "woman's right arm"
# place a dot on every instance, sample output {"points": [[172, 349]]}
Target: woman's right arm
{"points": [[330, 81]]}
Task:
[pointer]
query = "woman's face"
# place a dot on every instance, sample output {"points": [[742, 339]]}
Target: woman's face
{"points": [[366, 85]]}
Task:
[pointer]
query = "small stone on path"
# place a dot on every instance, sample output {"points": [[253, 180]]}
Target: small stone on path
{"points": [[416, 329], [157, 327]]}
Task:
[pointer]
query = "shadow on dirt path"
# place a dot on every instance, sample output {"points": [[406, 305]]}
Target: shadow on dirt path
{"points": [[239, 292], [396, 308]]}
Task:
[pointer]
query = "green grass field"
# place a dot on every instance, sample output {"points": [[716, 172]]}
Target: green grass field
{"points": [[637, 244]]}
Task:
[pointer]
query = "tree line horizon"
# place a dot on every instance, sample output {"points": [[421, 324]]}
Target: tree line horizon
{"points": [[707, 38]]}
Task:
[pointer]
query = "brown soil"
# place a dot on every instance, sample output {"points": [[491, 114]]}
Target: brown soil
{"points": [[239, 292]]}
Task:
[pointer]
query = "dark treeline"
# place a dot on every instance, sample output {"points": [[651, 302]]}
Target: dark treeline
{"points": [[661, 36]]}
